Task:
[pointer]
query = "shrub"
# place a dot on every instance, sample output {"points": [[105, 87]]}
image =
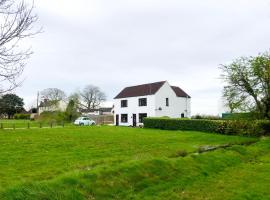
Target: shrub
{"points": [[229, 127], [21, 116], [51, 117], [210, 117]]}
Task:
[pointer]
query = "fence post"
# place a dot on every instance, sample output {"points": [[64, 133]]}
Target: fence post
{"points": [[40, 125], [28, 125], [63, 124], [14, 126], [51, 124], [2, 126]]}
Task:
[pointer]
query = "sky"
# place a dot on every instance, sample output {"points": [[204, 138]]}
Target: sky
{"points": [[114, 44]]}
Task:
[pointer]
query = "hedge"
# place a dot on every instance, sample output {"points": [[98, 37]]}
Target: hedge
{"points": [[228, 127], [21, 116]]}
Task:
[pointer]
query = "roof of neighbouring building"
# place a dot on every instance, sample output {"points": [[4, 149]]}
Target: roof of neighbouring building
{"points": [[148, 89], [102, 109]]}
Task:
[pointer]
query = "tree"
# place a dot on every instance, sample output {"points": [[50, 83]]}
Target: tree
{"points": [[92, 97], [248, 84], [11, 104], [71, 112], [16, 24], [53, 95]]}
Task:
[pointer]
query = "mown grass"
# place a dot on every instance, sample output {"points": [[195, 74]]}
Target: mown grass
{"points": [[127, 163]]}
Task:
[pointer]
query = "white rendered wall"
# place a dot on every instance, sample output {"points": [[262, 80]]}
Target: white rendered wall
{"points": [[177, 105], [134, 108]]}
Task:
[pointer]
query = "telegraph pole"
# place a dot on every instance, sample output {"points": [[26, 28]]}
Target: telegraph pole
{"points": [[37, 102]]}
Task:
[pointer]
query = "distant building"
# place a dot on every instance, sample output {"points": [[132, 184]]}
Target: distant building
{"points": [[47, 105], [158, 99], [97, 111]]}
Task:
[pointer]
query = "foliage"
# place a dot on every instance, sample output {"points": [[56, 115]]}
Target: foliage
{"points": [[248, 84], [21, 116], [229, 127], [11, 104], [16, 22], [52, 117], [241, 116], [71, 112], [126, 163], [210, 117]]}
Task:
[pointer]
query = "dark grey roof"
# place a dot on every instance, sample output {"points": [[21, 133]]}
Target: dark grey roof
{"points": [[148, 89]]}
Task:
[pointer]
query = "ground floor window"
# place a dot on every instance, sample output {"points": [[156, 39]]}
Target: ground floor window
{"points": [[124, 118], [182, 115], [141, 116]]}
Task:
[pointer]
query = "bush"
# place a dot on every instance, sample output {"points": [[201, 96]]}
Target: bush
{"points": [[210, 117], [51, 117], [229, 127], [21, 116]]}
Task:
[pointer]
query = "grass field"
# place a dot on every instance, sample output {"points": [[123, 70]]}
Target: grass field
{"points": [[127, 163]]}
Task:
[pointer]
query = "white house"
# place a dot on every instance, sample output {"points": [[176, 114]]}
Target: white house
{"points": [[158, 99], [46, 105]]}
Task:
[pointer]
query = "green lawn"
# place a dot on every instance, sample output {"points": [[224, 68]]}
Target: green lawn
{"points": [[127, 163]]}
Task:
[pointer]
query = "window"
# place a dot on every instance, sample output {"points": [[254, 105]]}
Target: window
{"points": [[182, 115], [124, 118], [124, 103], [141, 116], [143, 102], [167, 101]]}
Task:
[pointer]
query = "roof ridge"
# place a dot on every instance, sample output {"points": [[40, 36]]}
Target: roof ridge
{"points": [[145, 84]]}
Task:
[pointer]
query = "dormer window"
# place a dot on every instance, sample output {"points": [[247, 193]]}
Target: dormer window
{"points": [[143, 102], [124, 103]]}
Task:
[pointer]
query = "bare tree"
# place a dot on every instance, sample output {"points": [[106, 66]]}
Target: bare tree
{"points": [[53, 95], [16, 24], [92, 97]]}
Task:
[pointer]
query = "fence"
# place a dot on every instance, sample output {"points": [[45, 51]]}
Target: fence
{"points": [[28, 125], [102, 119]]}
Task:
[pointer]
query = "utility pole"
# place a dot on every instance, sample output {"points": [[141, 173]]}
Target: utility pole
{"points": [[37, 102]]}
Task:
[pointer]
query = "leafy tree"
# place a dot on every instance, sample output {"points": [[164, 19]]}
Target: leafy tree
{"points": [[71, 112], [91, 97], [248, 84], [16, 22], [11, 104]]}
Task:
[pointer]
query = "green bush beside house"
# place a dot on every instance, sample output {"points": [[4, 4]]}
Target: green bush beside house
{"points": [[228, 127]]}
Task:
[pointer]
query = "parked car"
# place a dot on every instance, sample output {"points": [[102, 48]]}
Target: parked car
{"points": [[84, 121]]}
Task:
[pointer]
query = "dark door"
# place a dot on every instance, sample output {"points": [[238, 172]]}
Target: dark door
{"points": [[117, 120], [134, 120]]}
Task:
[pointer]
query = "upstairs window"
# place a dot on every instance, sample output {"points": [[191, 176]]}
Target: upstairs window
{"points": [[124, 103], [143, 102], [124, 118], [141, 116], [167, 101]]}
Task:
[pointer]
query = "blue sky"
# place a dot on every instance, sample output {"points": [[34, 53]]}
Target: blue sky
{"points": [[114, 44]]}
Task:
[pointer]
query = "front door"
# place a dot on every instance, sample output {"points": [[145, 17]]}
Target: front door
{"points": [[134, 120], [117, 120]]}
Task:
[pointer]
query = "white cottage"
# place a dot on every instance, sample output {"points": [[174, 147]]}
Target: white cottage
{"points": [[158, 99]]}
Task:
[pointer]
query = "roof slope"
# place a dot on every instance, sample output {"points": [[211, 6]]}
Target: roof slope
{"points": [[148, 89], [140, 90], [179, 92]]}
